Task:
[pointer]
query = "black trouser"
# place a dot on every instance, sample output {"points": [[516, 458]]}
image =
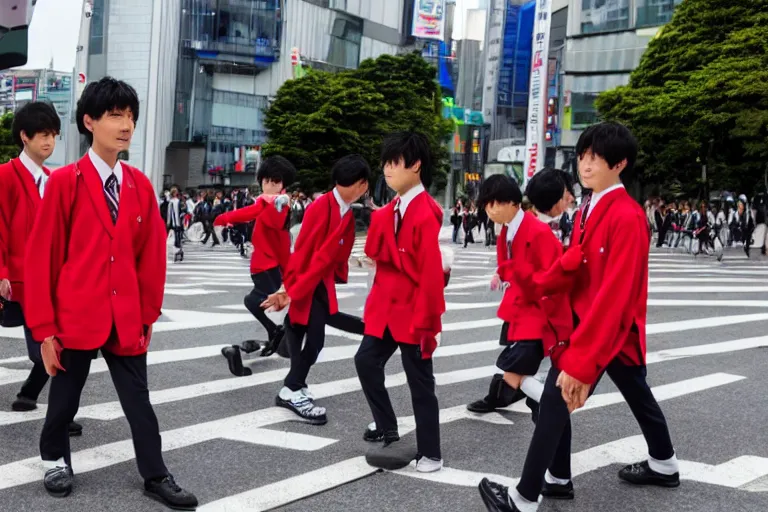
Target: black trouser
{"points": [[129, 375], [370, 360], [264, 284], [554, 424], [37, 376], [302, 359], [208, 230], [178, 234], [468, 237]]}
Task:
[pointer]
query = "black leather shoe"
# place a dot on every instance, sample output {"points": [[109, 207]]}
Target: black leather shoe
{"points": [[533, 405], [392, 455], [249, 346], [235, 361], [75, 429], [23, 403], [482, 406], [374, 435], [168, 493], [58, 481], [271, 346], [496, 497], [640, 473], [557, 491]]}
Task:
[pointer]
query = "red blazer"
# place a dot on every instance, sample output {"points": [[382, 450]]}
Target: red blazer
{"points": [[407, 292], [320, 254], [19, 203], [609, 292], [84, 275], [531, 312], [271, 239]]}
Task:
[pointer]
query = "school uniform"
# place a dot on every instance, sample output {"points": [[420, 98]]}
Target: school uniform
{"points": [[271, 252], [403, 310], [608, 293], [95, 281], [320, 259], [22, 185]]}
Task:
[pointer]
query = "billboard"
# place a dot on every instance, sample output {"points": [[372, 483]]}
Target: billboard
{"points": [[428, 19], [537, 98]]}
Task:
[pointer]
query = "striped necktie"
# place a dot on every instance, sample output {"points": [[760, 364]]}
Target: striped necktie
{"points": [[583, 220], [112, 194], [398, 216]]}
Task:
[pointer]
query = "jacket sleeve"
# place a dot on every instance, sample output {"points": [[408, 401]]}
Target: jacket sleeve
{"points": [[45, 257], [151, 262], [546, 276], [430, 296], [595, 339], [5, 226], [240, 216]]}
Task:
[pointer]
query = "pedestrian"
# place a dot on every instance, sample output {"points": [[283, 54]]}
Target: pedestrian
{"points": [[320, 260], [405, 304], [271, 251], [175, 223], [608, 293], [96, 277], [22, 185]]}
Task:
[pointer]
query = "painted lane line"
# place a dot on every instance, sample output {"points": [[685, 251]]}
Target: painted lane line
{"points": [[728, 303], [704, 323], [707, 289], [699, 279], [292, 489], [244, 427]]}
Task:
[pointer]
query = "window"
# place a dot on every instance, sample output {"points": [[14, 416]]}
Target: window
{"points": [[96, 38], [344, 50], [604, 15], [583, 112], [651, 13], [321, 3]]}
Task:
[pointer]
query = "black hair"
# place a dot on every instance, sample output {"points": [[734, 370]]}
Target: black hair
{"points": [[567, 180], [499, 188], [33, 118], [411, 148], [611, 141], [546, 188], [350, 170], [277, 169], [104, 96]]}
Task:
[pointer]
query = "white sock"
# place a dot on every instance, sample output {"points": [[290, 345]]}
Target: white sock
{"points": [[554, 480], [521, 503], [50, 464], [665, 467], [532, 387]]}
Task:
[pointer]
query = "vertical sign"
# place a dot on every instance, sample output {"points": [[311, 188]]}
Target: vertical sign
{"points": [[493, 40], [428, 19], [537, 97]]}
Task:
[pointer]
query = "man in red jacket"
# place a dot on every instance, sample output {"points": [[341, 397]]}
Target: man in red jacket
{"points": [[609, 294], [94, 280], [320, 259], [405, 303], [22, 184], [271, 251]]}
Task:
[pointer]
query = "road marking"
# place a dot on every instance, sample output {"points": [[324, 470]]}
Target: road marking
{"points": [[191, 292], [704, 323], [292, 489], [709, 303], [245, 427], [699, 279], [707, 289]]}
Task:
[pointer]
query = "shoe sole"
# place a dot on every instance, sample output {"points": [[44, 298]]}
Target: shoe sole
{"points": [[23, 408], [75, 433], [555, 496], [659, 483], [312, 421], [164, 502], [388, 463], [480, 411], [489, 500], [62, 494]]}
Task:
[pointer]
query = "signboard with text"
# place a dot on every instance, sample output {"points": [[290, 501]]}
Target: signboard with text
{"points": [[428, 19]]}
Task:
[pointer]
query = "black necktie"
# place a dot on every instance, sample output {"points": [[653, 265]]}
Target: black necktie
{"points": [[37, 184], [112, 194], [583, 220], [398, 217]]}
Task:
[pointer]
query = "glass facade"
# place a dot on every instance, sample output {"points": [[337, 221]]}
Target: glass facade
{"points": [[96, 39], [583, 111], [604, 15], [346, 34], [651, 13], [514, 71]]}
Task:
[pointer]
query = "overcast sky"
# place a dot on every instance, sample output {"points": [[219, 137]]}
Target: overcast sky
{"points": [[53, 34]]}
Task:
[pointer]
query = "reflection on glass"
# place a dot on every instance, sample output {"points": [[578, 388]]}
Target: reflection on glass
{"points": [[583, 112], [652, 13], [604, 15]]}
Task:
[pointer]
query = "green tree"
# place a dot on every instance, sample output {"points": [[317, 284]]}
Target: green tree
{"points": [[315, 120], [8, 149], [700, 95]]}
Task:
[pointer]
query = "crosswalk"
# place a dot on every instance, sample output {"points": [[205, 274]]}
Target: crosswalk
{"points": [[224, 439]]}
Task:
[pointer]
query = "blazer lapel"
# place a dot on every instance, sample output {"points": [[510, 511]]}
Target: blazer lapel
{"points": [[33, 193], [95, 189], [598, 214], [128, 196], [521, 237]]}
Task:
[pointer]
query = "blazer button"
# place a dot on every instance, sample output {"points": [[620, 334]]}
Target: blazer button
{"points": [[111, 259], [114, 292]]}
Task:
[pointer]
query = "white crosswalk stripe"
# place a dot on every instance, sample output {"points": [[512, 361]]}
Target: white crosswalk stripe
{"points": [[204, 411]]}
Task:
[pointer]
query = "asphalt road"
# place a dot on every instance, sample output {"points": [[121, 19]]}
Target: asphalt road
{"points": [[224, 440]]}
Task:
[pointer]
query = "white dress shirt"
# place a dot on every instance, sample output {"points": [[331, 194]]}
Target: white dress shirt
{"points": [[406, 198], [104, 169], [344, 207], [596, 196], [35, 170], [514, 225]]}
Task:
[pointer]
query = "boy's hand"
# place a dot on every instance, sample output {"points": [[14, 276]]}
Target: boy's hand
{"points": [[276, 302], [50, 350], [5, 289], [572, 259], [495, 282], [575, 392]]}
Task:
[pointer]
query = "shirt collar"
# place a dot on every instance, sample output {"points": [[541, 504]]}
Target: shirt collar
{"points": [[342, 204], [596, 196], [31, 166], [514, 225], [104, 169], [406, 198]]}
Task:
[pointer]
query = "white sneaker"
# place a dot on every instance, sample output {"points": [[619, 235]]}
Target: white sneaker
{"points": [[307, 393], [427, 465]]}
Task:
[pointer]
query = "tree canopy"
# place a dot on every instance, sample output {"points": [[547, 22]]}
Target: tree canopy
{"points": [[700, 95], [8, 148], [317, 119]]}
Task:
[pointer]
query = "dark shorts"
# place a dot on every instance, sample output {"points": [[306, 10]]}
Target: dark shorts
{"points": [[521, 357]]}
